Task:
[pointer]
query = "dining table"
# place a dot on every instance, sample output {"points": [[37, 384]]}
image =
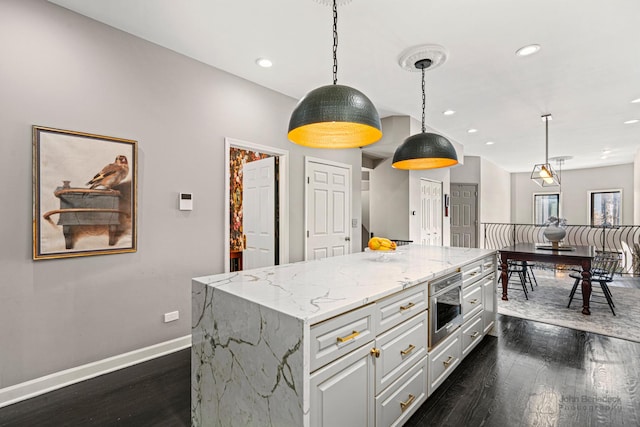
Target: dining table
{"points": [[564, 255]]}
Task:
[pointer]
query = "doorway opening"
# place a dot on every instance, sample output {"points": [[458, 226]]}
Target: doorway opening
{"points": [[268, 240]]}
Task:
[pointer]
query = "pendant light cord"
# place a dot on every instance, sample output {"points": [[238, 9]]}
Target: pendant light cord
{"points": [[546, 138], [335, 42], [424, 97]]}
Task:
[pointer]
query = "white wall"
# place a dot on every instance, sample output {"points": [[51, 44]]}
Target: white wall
{"points": [[62, 70], [574, 198]]}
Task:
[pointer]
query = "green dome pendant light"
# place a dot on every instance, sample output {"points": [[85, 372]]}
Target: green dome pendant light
{"points": [[335, 116], [424, 150]]}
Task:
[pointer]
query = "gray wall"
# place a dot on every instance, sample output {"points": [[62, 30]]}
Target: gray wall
{"points": [[574, 199], [389, 201], [495, 193], [467, 173], [494, 190], [65, 71], [396, 193], [636, 188]]}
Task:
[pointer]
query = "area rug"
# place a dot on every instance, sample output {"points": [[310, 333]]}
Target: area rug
{"points": [[548, 304]]}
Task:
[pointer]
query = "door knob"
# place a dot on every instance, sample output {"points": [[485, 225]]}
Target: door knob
{"points": [[347, 239]]}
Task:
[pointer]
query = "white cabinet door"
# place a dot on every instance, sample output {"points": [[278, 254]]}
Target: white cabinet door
{"points": [[342, 392]]}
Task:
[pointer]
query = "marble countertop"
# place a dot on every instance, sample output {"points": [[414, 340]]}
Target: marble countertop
{"points": [[317, 290]]}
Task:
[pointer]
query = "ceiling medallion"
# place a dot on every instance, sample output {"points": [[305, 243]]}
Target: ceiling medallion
{"points": [[435, 53], [330, 2]]}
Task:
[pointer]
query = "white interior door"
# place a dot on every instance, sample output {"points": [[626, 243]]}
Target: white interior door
{"points": [[430, 212], [258, 213], [328, 209]]}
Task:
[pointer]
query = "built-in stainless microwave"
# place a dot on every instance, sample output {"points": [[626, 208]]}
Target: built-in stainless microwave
{"points": [[445, 307]]}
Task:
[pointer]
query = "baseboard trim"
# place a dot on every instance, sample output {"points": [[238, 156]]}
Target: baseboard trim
{"points": [[28, 389]]}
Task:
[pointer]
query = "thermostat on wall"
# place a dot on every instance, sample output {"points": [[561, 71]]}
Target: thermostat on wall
{"points": [[186, 201]]}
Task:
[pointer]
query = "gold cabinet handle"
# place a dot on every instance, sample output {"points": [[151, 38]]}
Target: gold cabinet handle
{"points": [[448, 361], [408, 350], [406, 307], [375, 352], [474, 301], [405, 405], [349, 337], [475, 334], [473, 273]]}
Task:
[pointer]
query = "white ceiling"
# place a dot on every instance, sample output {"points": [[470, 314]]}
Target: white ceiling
{"points": [[586, 74]]}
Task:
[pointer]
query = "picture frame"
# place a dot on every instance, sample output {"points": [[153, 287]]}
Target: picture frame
{"points": [[84, 194]]}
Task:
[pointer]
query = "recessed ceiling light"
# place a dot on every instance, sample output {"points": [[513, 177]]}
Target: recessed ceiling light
{"points": [[264, 62], [448, 112], [606, 151], [490, 143], [603, 157], [630, 122], [472, 130], [528, 50], [636, 101]]}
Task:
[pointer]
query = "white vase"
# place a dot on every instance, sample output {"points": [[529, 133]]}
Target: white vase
{"points": [[554, 234]]}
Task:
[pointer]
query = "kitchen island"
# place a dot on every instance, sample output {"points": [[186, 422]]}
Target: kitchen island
{"points": [[337, 341]]}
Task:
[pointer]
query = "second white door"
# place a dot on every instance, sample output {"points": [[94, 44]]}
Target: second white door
{"points": [[258, 213], [430, 212]]}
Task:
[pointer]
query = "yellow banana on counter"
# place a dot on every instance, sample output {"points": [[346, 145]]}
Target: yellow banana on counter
{"points": [[381, 244]]}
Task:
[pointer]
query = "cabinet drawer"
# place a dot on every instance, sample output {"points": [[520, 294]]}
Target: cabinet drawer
{"points": [[338, 336], [444, 360], [341, 392], [472, 333], [488, 264], [471, 273], [471, 301], [400, 348], [397, 308], [403, 397]]}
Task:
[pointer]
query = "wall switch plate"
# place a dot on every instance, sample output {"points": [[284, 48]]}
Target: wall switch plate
{"points": [[170, 317], [354, 223]]}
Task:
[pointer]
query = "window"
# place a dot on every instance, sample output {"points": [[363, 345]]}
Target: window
{"points": [[605, 207], [544, 206]]}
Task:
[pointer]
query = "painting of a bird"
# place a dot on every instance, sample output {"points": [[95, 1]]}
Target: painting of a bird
{"points": [[111, 175]]}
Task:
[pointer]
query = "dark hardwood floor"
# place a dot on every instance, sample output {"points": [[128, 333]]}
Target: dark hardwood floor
{"points": [[154, 393], [529, 374]]}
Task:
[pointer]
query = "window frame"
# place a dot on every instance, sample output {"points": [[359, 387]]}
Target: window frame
{"points": [[590, 194], [558, 194]]}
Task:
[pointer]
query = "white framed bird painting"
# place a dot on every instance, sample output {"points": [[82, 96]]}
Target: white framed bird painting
{"points": [[84, 194]]}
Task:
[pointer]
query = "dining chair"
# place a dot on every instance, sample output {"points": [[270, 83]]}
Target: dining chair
{"points": [[519, 268], [526, 273], [604, 266]]}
